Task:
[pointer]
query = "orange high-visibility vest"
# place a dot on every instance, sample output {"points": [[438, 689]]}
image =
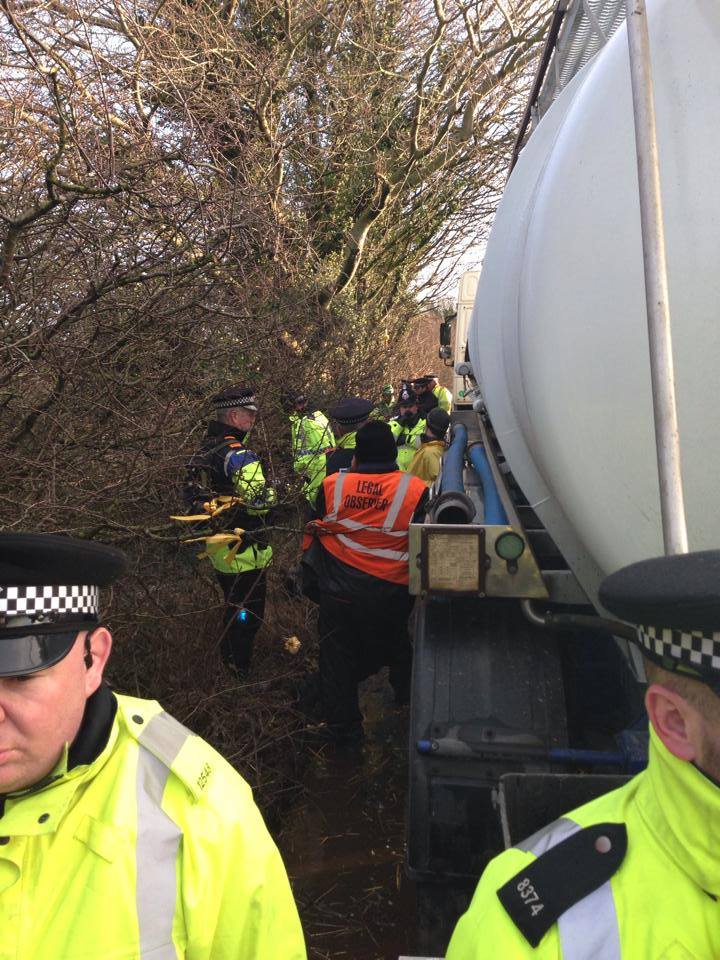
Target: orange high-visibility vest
{"points": [[366, 521]]}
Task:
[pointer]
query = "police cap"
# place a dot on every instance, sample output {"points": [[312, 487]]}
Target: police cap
{"points": [[407, 397], [49, 592], [674, 603], [240, 395], [351, 410]]}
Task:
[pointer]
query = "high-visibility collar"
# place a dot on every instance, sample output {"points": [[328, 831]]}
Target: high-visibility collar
{"points": [[414, 431], [40, 809], [681, 807], [346, 441], [223, 431]]}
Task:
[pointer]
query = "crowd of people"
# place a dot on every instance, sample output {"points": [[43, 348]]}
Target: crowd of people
{"points": [[356, 539], [123, 834]]}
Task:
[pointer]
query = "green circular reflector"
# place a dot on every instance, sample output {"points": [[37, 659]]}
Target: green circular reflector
{"points": [[509, 545]]}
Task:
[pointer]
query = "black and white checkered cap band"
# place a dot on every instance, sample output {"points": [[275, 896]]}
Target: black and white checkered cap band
{"points": [[350, 421], [35, 601], [692, 648], [231, 402]]}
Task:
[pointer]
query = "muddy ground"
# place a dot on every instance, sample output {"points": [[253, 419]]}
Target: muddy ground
{"points": [[343, 843]]}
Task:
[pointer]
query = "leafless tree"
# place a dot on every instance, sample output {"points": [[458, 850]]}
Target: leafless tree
{"points": [[193, 193]]}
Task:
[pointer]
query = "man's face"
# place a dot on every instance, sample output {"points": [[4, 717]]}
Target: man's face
{"points": [[408, 410], [39, 714], [243, 419]]}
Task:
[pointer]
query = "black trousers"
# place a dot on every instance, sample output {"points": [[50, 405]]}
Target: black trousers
{"points": [[357, 640], [244, 611]]}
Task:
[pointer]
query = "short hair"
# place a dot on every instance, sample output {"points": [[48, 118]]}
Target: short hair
{"points": [[223, 413], [697, 693]]}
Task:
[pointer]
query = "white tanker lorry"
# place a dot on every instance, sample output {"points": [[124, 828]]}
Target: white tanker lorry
{"points": [[521, 706]]}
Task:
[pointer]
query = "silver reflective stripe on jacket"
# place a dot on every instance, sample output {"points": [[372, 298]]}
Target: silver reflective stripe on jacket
{"points": [[337, 498], [589, 929], [393, 511], [356, 525], [158, 838], [397, 502], [372, 551]]}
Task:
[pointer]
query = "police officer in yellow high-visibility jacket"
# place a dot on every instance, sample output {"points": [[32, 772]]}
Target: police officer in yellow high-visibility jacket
{"points": [[443, 396], [407, 428], [634, 874], [224, 466], [311, 437], [122, 834]]}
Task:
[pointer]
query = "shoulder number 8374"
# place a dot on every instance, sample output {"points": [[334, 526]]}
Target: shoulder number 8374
{"points": [[530, 895]]}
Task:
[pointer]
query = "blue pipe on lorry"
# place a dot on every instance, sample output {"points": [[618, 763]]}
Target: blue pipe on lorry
{"points": [[494, 510], [454, 461], [453, 505], [629, 759]]}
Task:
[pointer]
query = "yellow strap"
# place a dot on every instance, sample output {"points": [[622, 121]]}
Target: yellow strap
{"points": [[212, 508], [229, 537], [234, 540]]}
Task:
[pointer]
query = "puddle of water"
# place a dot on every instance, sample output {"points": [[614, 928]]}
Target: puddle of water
{"points": [[343, 845]]}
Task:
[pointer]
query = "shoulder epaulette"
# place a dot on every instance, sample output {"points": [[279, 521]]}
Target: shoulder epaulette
{"points": [[567, 873], [170, 742]]}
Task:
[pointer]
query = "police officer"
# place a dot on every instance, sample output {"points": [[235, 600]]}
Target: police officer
{"points": [[122, 834], [407, 428], [358, 551], [311, 438], [226, 473], [348, 416], [427, 460], [634, 873], [443, 396], [426, 399]]}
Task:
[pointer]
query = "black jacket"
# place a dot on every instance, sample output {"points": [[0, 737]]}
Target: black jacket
{"points": [[206, 477], [427, 402]]}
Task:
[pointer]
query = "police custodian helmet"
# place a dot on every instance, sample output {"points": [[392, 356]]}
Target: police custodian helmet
{"points": [[674, 604], [49, 592]]}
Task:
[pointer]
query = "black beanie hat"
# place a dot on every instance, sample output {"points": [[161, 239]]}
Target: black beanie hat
{"points": [[374, 443], [438, 421]]}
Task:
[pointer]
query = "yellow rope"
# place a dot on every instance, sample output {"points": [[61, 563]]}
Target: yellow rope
{"points": [[212, 508], [235, 538]]}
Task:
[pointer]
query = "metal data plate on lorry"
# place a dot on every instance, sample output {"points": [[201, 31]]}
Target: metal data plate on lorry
{"points": [[453, 559], [467, 560]]}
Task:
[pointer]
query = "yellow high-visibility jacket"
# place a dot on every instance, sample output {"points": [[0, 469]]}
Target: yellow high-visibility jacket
{"points": [[660, 904], [311, 437], [407, 440], [249, 484], [444, 398], [153, 851]]}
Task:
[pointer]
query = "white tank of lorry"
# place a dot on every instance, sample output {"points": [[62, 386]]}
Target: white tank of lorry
{"points": [[558, 337]]}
